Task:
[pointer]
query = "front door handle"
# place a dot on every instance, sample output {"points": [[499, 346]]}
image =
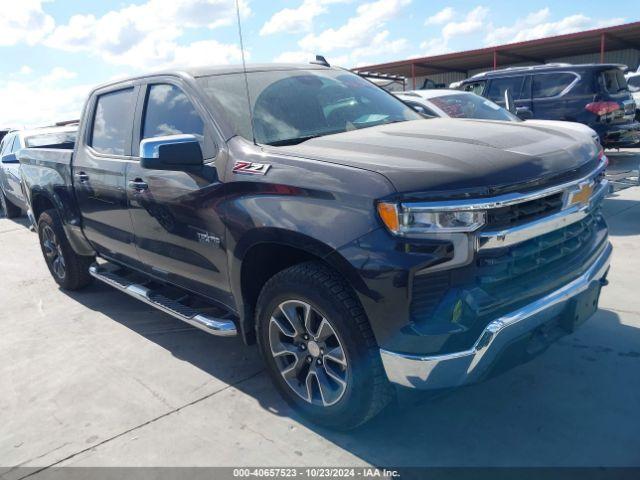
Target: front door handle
{"points": [[82, 177], [138, 185]]}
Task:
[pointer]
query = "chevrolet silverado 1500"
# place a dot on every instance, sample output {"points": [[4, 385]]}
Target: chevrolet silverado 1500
{"points": [[360, 245]]}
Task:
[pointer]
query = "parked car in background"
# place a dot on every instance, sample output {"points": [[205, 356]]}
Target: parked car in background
{"points": [[359, 244], [457, 104], [633, 81], [12, 197], [596, 95]]}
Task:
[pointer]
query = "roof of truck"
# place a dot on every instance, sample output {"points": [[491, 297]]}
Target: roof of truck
{"points": [[206, 71]]}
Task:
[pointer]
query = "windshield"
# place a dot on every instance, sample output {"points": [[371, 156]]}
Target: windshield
{"points": [[465, 105], [292, 106]]}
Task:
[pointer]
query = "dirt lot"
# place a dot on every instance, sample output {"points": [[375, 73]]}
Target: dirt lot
{"points": [[98, 379]]}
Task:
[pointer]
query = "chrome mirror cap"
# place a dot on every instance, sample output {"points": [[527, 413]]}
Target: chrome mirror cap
{"points": [[150, 147]]}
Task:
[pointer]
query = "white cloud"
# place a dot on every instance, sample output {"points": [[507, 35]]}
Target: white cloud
{"points": [[297, 20], [441, 17], [435, 46], [41, 101], [25, 70], [538, 25], [296, 56], [359, 31], [472, 23], [57, 74], [24, 21], [380, 44], [146, 35]]}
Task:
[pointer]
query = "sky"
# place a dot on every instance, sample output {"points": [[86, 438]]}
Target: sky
{"points": [[54, 51]]}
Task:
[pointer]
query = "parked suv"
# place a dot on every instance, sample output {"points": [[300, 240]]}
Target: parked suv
{"points": [[595, 94]]}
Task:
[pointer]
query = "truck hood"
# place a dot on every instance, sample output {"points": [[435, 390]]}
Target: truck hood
{"points": [[455, 154]]}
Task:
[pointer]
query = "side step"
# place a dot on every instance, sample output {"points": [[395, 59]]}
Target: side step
{"points": [[113, 276]]}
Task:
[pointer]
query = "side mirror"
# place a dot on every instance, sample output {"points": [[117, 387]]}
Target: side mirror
{"points": [[508, 101], [173, 152], [524, 113], [11, 158]]}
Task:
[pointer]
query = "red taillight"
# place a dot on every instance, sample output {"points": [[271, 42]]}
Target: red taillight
{"points": [[602, 108], [602, 157]]}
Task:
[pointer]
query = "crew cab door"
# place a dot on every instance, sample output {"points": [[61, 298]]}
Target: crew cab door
{"points": [[99, 173], [176, 216]]}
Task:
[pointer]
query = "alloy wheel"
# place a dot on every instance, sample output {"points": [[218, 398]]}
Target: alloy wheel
{"points": [[53, 251], [308, 353]]}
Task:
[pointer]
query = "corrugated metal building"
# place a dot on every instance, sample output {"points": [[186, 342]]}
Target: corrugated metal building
{"points": [[616, 44]]}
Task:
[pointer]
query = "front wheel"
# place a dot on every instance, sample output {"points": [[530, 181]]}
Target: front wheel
{"points": [[69, 270], [319, 348]]}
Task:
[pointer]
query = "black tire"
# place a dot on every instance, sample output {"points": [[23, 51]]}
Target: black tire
{"points": [[73, 271], [10, 210], [367, 389]]}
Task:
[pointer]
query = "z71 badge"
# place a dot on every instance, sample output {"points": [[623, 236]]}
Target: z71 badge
{"points": [[250, 168]]}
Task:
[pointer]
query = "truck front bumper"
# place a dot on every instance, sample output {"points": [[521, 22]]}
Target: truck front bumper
{"points": [[469, 366]]}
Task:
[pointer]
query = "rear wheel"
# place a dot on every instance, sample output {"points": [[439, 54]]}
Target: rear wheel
{"points": [[319, 348], [9, 209], [69, 270]]}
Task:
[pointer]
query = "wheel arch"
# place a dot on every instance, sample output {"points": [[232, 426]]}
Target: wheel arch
{"points": [[268, 251]]}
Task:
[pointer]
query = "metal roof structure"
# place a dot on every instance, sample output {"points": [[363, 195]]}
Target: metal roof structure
{"points": [[540, 50]]}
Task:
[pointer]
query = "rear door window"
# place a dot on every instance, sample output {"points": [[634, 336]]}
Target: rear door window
{"points": [[551, 84], [111, 129], [634, 83], [498, 86]]}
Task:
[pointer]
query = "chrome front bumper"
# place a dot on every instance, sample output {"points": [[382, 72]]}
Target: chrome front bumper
{"points": [[460, 368]]}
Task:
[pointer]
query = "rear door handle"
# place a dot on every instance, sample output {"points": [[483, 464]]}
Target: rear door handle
{"points": [[82, 177], [138, 184]]}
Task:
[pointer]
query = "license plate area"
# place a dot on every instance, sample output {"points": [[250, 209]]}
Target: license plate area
{"points": [[581, 307]]}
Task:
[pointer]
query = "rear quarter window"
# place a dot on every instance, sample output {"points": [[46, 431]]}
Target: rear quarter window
{"points": [[551, 84], [613, 80], [52, 140]]}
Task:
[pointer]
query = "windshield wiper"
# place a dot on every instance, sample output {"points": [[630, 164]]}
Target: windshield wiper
{"points": [[293, 141]]}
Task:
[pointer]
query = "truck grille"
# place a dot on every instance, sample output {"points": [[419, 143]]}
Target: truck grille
{"points": [[514, 274], [525, 212]]}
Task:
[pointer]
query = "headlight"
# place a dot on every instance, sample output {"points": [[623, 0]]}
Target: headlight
{"points": [[403, 219]]}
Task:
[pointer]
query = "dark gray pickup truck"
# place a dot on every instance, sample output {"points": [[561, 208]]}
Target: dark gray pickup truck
{"points": [[360, 245]]}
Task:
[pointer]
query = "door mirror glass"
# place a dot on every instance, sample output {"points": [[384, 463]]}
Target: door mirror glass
{"points": [[172, 152]]}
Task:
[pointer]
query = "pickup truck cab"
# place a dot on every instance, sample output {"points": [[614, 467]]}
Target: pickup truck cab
{"points": [[301, 207]]}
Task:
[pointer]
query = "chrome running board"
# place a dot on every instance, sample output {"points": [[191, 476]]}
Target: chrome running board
{"points": [[216, 326]]}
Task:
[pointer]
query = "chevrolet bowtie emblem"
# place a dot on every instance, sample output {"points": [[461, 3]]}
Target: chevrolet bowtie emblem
{"points": [[581, 196]]}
